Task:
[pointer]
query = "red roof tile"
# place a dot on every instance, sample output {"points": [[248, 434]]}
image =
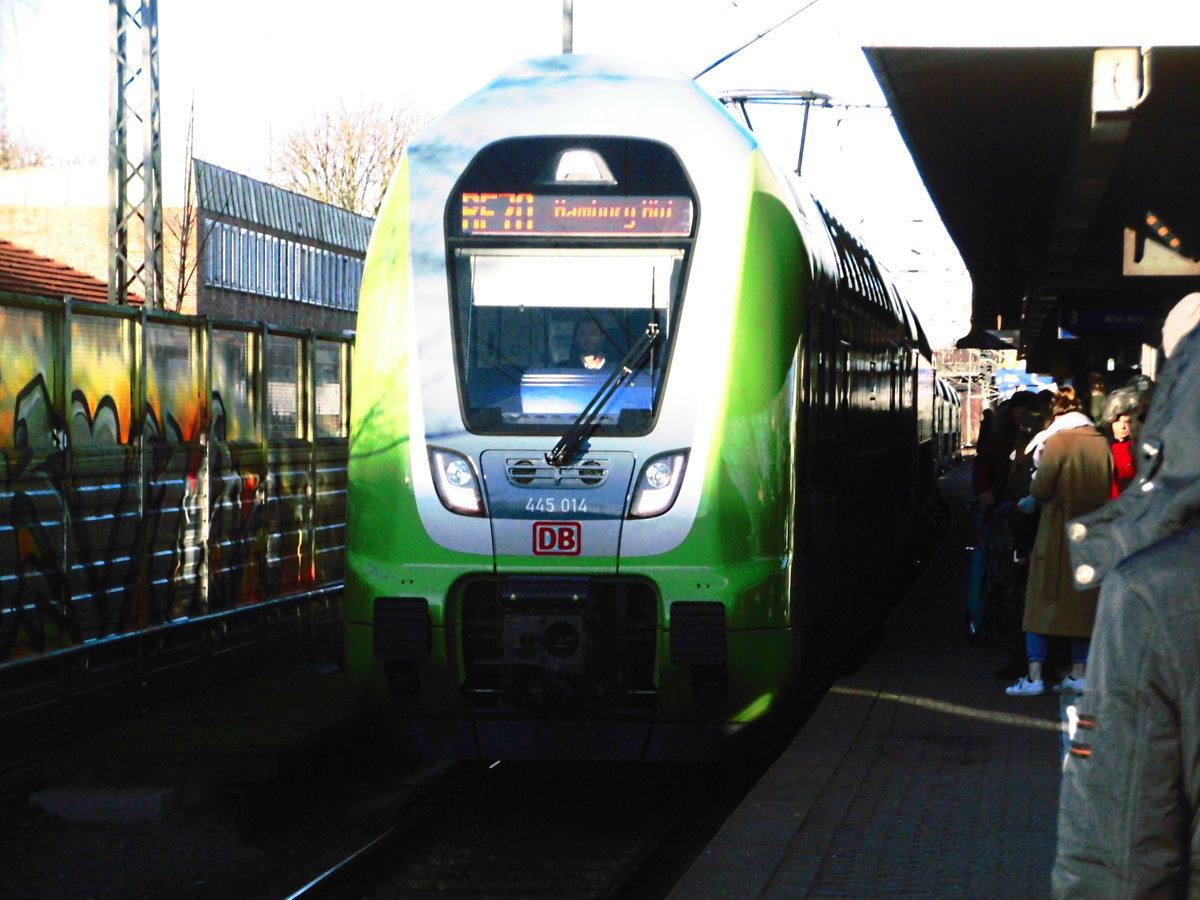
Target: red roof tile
{"points": [[24, 272]]}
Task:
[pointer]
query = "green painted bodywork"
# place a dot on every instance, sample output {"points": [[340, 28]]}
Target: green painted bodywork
{"points": [[739, 550]]}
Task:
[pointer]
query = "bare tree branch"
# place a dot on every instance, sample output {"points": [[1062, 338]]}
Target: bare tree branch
{"points": [[346, 156], [190, 231], [17, 153], [182, 226]]}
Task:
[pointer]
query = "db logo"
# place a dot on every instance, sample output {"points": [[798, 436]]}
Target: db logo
{"points": [[557, 538]]}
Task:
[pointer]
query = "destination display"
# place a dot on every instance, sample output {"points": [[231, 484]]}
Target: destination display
{"points": [[540, 215]]}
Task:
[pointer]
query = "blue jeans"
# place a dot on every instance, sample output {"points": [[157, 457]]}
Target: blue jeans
{"points": [[1036, 647]]}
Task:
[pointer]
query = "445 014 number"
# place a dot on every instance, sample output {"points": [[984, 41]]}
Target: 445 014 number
{"points": [[556, 504]]}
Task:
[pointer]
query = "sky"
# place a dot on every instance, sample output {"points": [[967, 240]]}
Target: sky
{"points": [[253, 70]]}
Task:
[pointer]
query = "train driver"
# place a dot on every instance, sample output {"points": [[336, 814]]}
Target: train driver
{"points": [[590, 347]]}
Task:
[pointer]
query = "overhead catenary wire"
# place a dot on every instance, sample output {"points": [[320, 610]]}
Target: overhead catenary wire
{"points": [[755, 39]]}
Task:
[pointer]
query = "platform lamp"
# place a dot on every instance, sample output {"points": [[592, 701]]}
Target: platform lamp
{"points": [[1120, 83]]}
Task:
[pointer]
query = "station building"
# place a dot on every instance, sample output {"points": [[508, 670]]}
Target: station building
{"points": [[234, 247]]}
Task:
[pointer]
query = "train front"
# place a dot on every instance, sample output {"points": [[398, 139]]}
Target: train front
{"points": [[542, 557]]}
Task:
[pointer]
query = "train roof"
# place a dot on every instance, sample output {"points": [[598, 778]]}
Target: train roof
{"points": [[915, 329], [947, 390], [531, 92]]}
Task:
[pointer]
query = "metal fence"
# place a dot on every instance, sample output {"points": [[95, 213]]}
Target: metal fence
{"points": [[161, 472]]}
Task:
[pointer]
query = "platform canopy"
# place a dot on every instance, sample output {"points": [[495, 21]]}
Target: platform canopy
{"points": [[1058, 142]]}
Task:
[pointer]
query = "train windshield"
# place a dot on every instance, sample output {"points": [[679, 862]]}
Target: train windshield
{"points": [[554, 279], [540, 334]]}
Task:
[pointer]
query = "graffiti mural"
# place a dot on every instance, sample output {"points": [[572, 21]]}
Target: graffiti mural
{"points": [[144, 479], [34, 615]]}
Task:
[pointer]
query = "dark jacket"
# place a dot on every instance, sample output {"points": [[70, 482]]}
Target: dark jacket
{"points": [[989, 472], [1129, 812]]}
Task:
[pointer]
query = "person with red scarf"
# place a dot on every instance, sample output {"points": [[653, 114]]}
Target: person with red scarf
{"points": [[1116, 422]]}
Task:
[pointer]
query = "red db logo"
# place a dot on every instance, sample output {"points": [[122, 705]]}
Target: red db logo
{"points": [[557, 538]]}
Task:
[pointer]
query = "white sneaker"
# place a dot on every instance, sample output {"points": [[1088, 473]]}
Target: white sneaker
{"points": [[1026, 688], [1069, 685]]}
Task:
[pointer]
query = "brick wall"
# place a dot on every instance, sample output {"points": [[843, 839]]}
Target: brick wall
{"points": [[74, 236], [77, 236], [224, 304]]}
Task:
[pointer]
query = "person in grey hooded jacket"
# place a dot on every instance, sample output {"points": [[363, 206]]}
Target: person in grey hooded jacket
{"points": [[1129, 809]]}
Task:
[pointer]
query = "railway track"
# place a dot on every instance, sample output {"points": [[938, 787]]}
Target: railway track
{"points": [[552, 830], [537, 830]]}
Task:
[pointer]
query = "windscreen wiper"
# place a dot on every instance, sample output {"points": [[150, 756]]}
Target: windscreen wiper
{"points": [[569, 443]]}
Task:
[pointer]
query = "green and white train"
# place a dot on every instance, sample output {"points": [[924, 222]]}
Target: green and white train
{"points": [[639, 431]]}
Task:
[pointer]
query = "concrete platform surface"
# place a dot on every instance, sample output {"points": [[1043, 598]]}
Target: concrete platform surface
{"points": [[916, 776]]}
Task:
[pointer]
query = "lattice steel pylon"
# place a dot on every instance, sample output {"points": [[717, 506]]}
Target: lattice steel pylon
{"points": [[134, 184]]}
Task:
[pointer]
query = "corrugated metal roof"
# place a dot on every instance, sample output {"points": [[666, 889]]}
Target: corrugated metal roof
{"points": [[25, 273], [237, 196]]}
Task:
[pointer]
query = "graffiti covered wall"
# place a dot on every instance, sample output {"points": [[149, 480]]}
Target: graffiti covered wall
{"points": [[158, 469]]}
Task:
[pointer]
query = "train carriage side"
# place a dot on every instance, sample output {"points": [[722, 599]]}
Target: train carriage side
{"points": [[550, 559], [949, 427], [860, 464], [927, 413]]}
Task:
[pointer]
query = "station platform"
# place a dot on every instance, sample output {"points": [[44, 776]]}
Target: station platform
{"points": [[915, 776]]}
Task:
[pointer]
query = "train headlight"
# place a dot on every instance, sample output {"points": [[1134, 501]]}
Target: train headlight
{"points": [[658, 485], [457, 485]]}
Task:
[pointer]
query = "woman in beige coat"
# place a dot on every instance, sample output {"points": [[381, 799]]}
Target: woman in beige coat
{"points": [[1073, 477]]}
